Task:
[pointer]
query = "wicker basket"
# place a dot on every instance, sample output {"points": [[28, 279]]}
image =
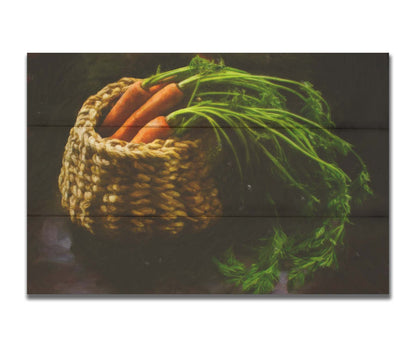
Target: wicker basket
{"points": [[118, 189]]}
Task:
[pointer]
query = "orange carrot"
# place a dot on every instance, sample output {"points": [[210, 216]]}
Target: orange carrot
{"points": [[157, 128], [134, 97], [161, 102]]}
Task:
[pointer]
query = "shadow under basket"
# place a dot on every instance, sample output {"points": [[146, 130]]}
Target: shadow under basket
{"points": [[122, 190]]}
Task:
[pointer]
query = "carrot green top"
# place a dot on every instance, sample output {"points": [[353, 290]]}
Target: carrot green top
{"points": [[282, 123]]}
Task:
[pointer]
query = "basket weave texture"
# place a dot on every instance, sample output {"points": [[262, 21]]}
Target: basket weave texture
{"points": [[117, 189]]}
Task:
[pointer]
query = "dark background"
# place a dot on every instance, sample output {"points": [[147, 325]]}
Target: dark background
{"points": [[64, 259]]}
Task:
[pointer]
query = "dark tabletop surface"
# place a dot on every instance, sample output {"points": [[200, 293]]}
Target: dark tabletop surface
{"points": [[64, 259]]}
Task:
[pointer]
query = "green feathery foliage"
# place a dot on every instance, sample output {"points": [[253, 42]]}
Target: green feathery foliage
{"points": [[265, 129]]}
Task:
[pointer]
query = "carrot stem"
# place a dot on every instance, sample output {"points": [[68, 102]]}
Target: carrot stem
{"points": [[193, 94], [171, 76]]}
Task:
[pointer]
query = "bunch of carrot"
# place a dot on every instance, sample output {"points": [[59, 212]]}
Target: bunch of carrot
{"points": [[138, 114]]}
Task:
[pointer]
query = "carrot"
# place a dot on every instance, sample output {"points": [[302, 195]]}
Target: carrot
{"points": [[134, 97], [162, 101], [157, 128]]}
